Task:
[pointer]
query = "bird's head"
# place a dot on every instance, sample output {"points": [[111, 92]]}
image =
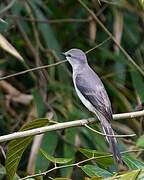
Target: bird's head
{"points": [[75, 57]]}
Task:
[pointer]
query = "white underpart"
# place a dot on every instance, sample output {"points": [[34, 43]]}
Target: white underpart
{"points": [[86, 103]]}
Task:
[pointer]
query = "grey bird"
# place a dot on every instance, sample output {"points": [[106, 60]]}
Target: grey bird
{"points": [[93, 95]]}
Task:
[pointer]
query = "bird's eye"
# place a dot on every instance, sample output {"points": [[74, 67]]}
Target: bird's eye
{"points": [[69, 55]]}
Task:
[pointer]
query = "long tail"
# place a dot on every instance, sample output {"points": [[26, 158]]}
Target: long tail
{"points": [[112, 141]]}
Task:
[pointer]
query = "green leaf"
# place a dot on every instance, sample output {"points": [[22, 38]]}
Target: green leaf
{"points": [[103, 159], [93, 170], [69, 151], [122, 100], [92, 139], [48, 144], [48, 35], [46, 30], [18, 146], [41, 109], [142, 3], [49, 141], [138, 84], [2, 171], [133, 163], [120, 75], [133, 175], [140, 141], [55, 160]]}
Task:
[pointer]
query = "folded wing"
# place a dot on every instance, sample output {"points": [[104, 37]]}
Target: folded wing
{"points": [[93, 90]]}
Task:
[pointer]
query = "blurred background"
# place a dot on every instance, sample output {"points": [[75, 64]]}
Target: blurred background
{"points": [[40, 30]]}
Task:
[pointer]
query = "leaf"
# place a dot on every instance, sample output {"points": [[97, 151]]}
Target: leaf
{"points": [[140, 142], [97, 140], [55, 160], [138, 84], [46, 30], [49, 144], [119, 97], [93, 170], [141, 3], [70, 135], [133, 175], [133, 163], [2, 171], [9, 48], [48, 35], [50, 139], [18, 146], [38, 99], [103, 159], [120, 76]]}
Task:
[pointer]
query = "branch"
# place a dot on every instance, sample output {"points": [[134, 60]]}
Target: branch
{"points": [[65, 125], [131, 60], [32, 69], [68, 20], [97, 46], [7, 7], [48, 65], [108, 135], [77, 164]]}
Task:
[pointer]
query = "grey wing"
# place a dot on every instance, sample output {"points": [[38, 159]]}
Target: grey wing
{"points": [[93, 90]]}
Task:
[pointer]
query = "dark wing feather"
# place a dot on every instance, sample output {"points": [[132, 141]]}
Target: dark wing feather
{"points": [[93, 90]]}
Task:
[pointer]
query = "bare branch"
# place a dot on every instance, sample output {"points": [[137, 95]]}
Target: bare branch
{"points": [[130, 60], [77, 164], [65, 125], [68, 20], [97, 46], [32, 69], [7, 7], [102, 134], [48, 65]]}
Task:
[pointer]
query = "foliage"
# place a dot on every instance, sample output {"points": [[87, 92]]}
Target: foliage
{"points": [[35, 33], [17, 147]]}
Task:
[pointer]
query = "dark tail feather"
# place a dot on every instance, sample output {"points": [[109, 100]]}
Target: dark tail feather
{"points": [[112, 142]]}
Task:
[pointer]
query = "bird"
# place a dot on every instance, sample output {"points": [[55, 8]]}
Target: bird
{"points": [[93, 95]]}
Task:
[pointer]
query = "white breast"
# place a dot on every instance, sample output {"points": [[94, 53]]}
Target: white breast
{"points": [[87, 104]]}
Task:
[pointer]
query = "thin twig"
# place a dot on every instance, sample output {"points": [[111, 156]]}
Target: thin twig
{"points": [[131, 61], [65, 20], [32, 69], [7, 7], [65, 125], [68, 20], [76, 164], [49, 65], [97, 46], [118, 136]]}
